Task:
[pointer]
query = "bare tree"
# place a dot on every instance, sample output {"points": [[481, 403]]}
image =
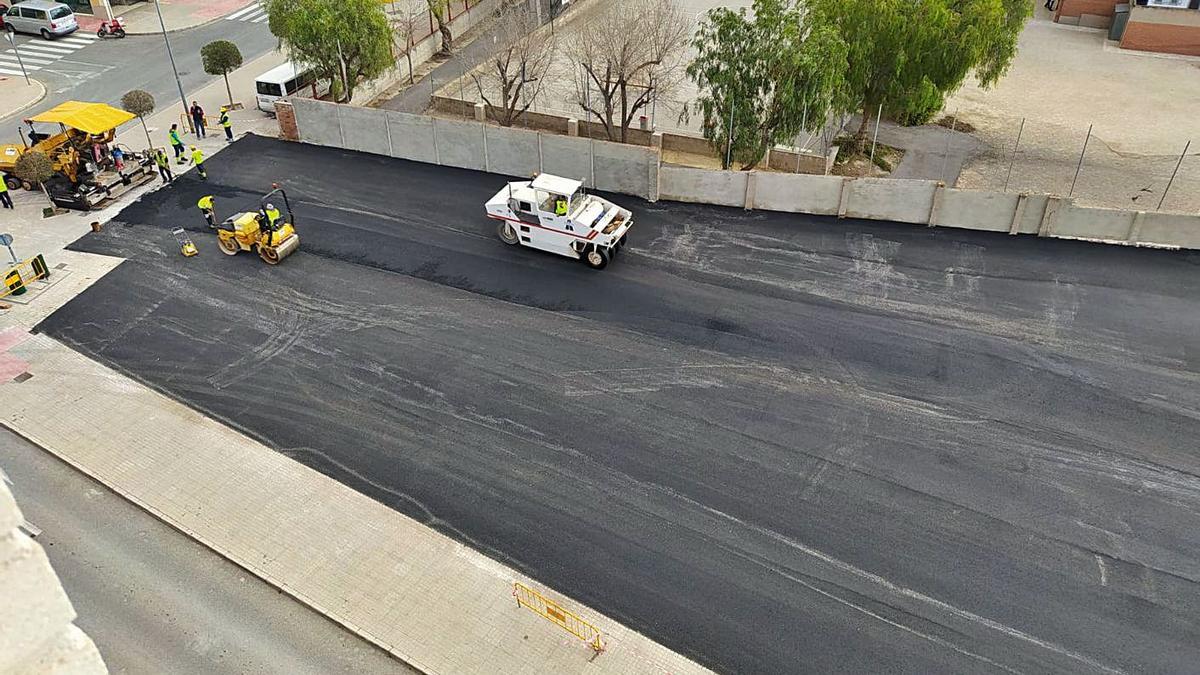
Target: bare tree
{"points": [[406, 16], [440, 9], [513, 77], [625, 57]]}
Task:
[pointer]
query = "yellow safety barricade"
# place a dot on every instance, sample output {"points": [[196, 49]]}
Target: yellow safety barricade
{"points": [[568, 620]]}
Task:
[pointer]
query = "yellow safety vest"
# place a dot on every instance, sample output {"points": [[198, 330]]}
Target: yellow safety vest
{"points": [[161, 159], [206, 202], [3, 185], [197, 156], [272, 216], [560, 208]]}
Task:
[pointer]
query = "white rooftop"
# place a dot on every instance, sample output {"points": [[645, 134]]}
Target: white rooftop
{"points": [[555, 184]]}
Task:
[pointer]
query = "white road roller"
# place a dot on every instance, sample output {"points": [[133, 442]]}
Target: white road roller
{"points": [[554, 214]]}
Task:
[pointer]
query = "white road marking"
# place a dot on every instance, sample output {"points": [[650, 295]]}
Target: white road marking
{"points": [[1103, 570], [9, 57], [261, 19], [48, 49], [244, 14]]}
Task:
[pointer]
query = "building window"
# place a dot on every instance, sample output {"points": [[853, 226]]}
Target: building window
{"points": [[1182, 4]]}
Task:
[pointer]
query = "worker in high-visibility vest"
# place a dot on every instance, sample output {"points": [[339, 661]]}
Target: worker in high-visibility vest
{"points": [[176, 143], [164, 165], [5, 200], [560, 206], [208, 209], [198, 160], [226, 124]]}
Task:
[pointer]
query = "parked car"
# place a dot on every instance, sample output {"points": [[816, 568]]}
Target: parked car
{"points": [[44, 17]]}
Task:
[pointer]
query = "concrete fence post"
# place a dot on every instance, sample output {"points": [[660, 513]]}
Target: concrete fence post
{"points": [[387, 128], [844, 199], [935, 208], [1018, 213], [480, 112], [1050, 215], [751, 186], [1135, 228], [541, 162], [486, 164], [572, 127], [337, 113], [437, 155]]}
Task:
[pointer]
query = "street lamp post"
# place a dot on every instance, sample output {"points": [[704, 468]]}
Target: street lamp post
{"points": [[171, 56], [16, 51]]}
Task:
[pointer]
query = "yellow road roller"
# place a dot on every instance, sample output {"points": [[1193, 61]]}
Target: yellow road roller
{"points": [[265, 230]]}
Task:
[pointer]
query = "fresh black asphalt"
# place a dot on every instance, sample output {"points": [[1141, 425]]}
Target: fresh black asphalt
{"points": [[775, 443]]}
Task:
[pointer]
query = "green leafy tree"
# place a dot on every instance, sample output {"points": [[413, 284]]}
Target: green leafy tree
{"points": [[908, 55], [140, 103], [347, 42], [36, 168], [221, 57], [764, 78]]}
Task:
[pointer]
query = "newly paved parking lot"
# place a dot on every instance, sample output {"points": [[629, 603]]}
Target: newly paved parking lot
{"points": [[773, 443]]}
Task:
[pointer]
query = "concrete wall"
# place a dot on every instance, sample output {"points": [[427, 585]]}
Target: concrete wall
{"points": [[36, 633], [798, 193], [1079, 221], [686, 184], [513, 152], [635, 170], [975, 210], [906, 201]]}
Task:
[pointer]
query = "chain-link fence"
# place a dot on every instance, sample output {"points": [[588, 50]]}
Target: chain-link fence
{"points": [[1096, 167]]}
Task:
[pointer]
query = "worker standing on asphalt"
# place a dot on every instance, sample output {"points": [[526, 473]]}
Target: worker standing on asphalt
{"points": [[228, 126], [5, 200], [209, 210], [176, 143], [164, 165], [198, 160]]}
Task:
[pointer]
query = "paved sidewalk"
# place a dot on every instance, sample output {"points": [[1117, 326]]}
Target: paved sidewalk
{"points": [[16, 95], [437, 604], [142, 19]]}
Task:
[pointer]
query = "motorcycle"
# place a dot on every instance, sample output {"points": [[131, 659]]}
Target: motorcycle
{"points": [[115, 27]]}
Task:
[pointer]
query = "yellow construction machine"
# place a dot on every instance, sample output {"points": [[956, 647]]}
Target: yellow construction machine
{"points": [[86, 170], [266, 230]]}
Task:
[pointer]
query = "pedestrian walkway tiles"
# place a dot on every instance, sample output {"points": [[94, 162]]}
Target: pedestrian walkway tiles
{"points": [[254, 13], [36, 53]]}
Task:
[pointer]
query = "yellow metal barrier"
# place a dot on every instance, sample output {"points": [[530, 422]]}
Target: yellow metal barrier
{"points": [[13, 281], [558, 614]]}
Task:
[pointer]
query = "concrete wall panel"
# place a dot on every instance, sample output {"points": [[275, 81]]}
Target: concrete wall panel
{"points": [[1170, 229], [459, 143], [318, 122], [1031, 218], [976, 210], [411, 136], [702, 185], [1078, 221], [512, 152], [567, 156], [798, 193], [363, 129], [623, 168], [907, 201]]}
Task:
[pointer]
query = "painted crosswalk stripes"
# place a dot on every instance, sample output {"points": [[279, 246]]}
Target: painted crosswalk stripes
{"points": [[254, 13], [37, 53]]}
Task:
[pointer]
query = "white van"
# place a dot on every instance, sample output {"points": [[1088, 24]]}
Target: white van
{"points": [[284, 81]]}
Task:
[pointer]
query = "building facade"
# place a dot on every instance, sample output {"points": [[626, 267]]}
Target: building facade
{"points": [[1170, 26]]}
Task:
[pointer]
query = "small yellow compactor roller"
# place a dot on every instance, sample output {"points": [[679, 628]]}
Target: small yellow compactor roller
{"points": [[265, 230]]}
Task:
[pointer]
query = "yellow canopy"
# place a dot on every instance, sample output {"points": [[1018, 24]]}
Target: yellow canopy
{"points": [[92, 118]]}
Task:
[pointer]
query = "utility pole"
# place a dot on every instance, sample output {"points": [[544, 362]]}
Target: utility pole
{"points": [[182, 98]]}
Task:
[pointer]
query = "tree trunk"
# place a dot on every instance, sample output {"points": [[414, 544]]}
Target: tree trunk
{"points": [[408, 53], [624, 113], [860, 136], [228, 91], [447, 38]]}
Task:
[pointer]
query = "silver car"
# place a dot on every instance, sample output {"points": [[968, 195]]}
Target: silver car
{"points": [[45, 17]]}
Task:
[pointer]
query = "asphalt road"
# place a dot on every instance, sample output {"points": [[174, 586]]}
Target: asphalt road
{"points": [[775, 443], [154, 600], [104, 70]]}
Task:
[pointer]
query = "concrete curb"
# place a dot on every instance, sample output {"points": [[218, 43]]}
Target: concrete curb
{"points": [[40, 96]]}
